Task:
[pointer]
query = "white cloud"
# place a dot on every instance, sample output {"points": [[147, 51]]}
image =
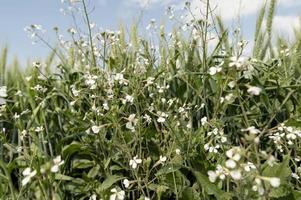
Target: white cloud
{"points": [[147, 3], [284, 25], [230, 9]]}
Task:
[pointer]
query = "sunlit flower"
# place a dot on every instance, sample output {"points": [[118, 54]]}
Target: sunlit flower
{"points": [[234, 153], [251, 130], [57, 161], [28, 174], [237, 62], [3, 91], [253, 90], [214, 70], [93, 197], [95, 129], [162, 117], [131, 122], [275, 182], [162, 159], [135, 161], [178, 151], [236, 174], [117, 195], [231, 164], [249, 166], [126, 183], [204, 121]]}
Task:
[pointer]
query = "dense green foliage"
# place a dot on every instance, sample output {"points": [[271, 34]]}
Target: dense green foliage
{"points": [[109, 116]]}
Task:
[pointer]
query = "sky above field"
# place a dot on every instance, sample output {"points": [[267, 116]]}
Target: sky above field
{"points": [[16, 14]]}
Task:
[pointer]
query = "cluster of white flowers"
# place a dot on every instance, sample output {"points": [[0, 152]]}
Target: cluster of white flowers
{"points": [[216, 140], [90, 81], [285, 137], [161, 117], [233, 168]]}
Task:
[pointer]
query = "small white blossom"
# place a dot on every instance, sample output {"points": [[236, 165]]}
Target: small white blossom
{"points": [[135, 161], [57, 163], [214, 70], [251, 130], [28, 174], [126, 183], [231, 164], [253, 90], [131, 122], [204, 121], [3, 91], [117, 195], [95, 129], [236, 174], [162, 159], [275, 182], [234, 154]]}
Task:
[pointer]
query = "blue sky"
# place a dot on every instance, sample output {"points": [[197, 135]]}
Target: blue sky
{"points": [[16, 14]]}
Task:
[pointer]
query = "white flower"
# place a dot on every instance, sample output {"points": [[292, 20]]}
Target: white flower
{"points": [[146, 198], [275, 182], [128, 98], [162, 159], [131, 122], [39, 129], [117, 195], [204, 121], [149, 81], [294, 175], [251, 130], [147, 118], [135, 161], [232, 84], [231, 164], [253, 90], [95, 129], [93, 197], [126, 183], [249, 166], [234, 153], [214, 70], [3, 91], [237, 62], [178, 151], [162, 117], [57, 163], [235, 174], [212, 176], [28, 175], [105, 106]]}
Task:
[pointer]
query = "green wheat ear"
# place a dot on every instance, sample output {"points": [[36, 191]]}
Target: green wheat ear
{"points": [[3, 65], [258, 37]]}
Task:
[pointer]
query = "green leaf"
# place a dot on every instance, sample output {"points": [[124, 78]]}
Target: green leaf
{"points": [[82, 163], [187, 194], [110, 180], [297, 194], [168, 169], [63, 177], [211, 188], [94, 171], [281, 170]]}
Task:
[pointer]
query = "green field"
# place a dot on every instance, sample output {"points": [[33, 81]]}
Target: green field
{"points": [[113, 115]]}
